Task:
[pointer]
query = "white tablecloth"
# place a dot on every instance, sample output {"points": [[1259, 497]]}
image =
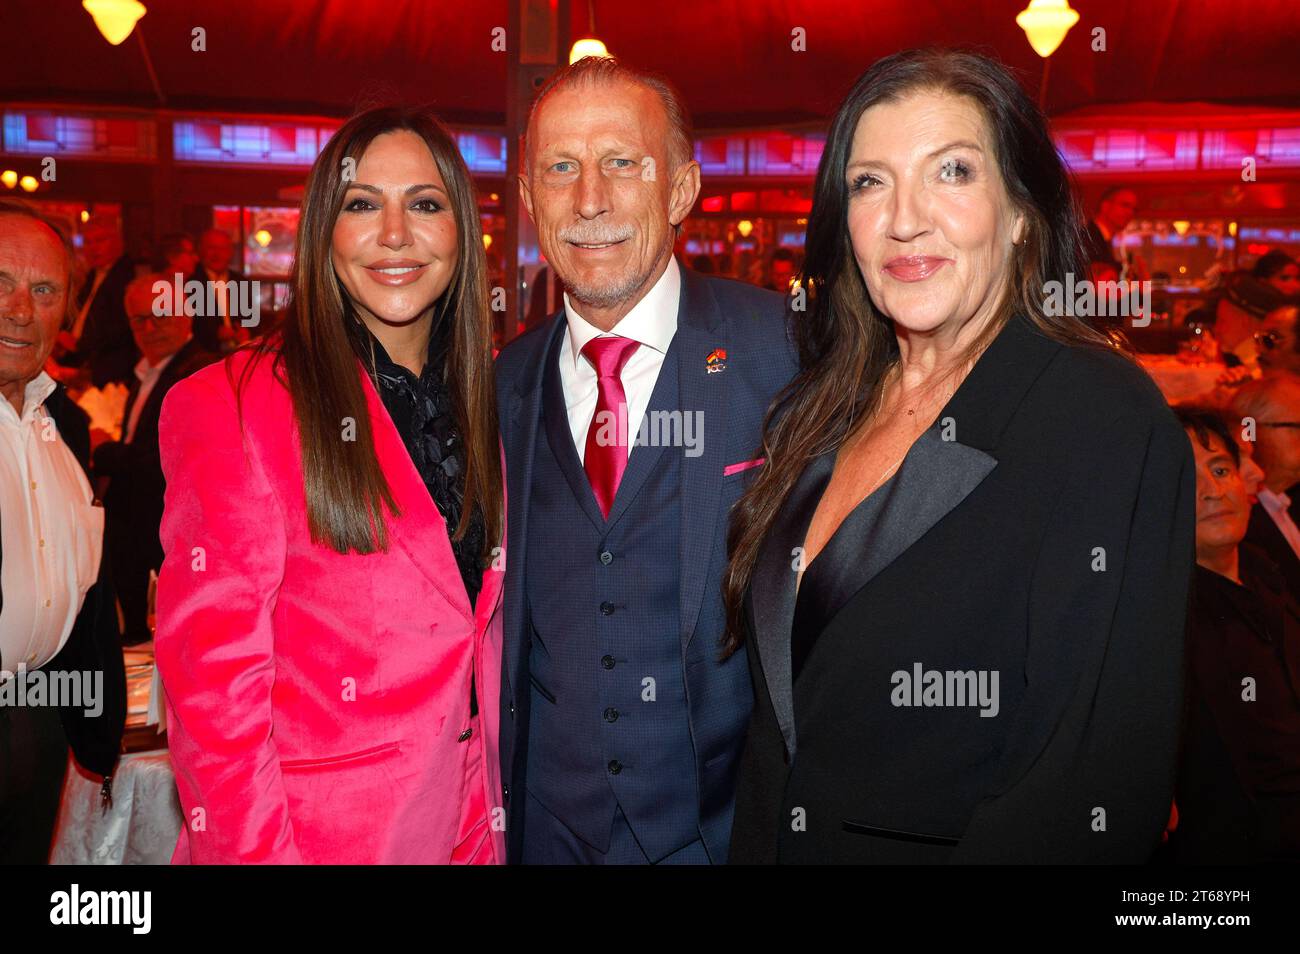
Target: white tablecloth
{"points": [[140, 829], [1180, 380]]}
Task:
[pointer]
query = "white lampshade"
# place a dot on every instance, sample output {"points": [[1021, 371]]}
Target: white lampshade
{"points": [[1045, 23], [115, 18], [588, 46]]}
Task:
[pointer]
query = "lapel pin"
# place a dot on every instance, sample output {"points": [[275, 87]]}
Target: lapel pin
{"points": [[716, 361]]}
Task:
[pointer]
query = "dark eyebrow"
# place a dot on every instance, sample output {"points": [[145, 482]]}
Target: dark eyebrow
{"points": [[956, 144], [411, 190]]}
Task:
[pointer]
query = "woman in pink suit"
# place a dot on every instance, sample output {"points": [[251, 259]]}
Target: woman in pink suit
{"points": [[329, 606]]}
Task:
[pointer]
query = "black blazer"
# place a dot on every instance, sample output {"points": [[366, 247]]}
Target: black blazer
{"points": [[94, 643], [1098, 247], [205, 326], [134, 498], [135, 468], [1049, 541], [1238, 785], [1262, 532], [107, 345]]}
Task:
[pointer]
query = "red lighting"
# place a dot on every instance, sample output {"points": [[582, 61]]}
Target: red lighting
{"points": [[744, 201]]}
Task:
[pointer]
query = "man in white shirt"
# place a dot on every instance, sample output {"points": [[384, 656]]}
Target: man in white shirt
{"points": [[53, 613], [132, 467], [1270, 407]]}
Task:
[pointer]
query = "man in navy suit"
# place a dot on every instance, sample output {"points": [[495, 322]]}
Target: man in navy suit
{"points": [[631, 422]]}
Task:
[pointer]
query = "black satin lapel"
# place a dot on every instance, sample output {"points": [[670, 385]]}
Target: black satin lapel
{"points": [[935, 477], [644, 457], [772, 588], [555, 417]]}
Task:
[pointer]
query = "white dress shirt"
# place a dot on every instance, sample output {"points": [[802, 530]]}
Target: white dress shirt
{"points": [[148, 376], [52, 534], [1277, 506], [221, 293], [652, 322]]}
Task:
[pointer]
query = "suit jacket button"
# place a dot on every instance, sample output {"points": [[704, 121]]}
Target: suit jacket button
{"points": [[464, 736], [607, 662], [606, 557], [607, 608], [615, 766], [611, 714]]}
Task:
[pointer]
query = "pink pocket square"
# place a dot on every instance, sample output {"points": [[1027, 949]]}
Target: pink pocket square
{"points": [[743, 465]]}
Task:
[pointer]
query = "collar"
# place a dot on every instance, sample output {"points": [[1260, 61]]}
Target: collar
{"points": [[652, 321], [1104, 229], [144, 370], [1274, 502], [34, 395]]}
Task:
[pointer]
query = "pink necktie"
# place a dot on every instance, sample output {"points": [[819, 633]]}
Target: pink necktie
{"points": [[606, 455]]}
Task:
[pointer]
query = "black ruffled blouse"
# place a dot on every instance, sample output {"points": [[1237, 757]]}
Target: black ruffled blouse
{"points": [[421, 410]]}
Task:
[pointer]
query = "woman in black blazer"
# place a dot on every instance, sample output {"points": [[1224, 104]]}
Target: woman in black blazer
{"points": [[961, 575]]}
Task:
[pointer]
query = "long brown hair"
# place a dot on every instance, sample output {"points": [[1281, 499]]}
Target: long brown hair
{"points": [[322, 340], [845, 344]]}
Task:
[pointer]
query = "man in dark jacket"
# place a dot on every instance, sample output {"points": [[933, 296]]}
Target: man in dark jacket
{"points": [[222, 330], [1238, 791], [131, 467], [97, 347], [1270, 407], [62, 679]]}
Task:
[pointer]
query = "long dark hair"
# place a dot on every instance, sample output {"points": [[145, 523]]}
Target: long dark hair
{"points": [[845, 344], [322, 340]]}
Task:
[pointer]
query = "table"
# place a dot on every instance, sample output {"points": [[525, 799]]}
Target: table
{"points": [[139, 829], [1180, 380], [141, 826]]}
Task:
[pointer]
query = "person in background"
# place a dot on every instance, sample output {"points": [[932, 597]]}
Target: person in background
{"points": [[131, 467], [178, 256], [1251, 303], [1280, 271], [57, 612], [781, 268], [98, 348], [1238, 788], [221, 332], [1103, 271], [1114, 213], [1270, 408], [1281, 350]]}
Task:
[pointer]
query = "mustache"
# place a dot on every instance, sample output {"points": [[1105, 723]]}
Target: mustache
{"points": [[596, 234]]}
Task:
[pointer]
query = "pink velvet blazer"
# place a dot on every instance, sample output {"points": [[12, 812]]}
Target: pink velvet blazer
{"points": [[317, 703]]}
